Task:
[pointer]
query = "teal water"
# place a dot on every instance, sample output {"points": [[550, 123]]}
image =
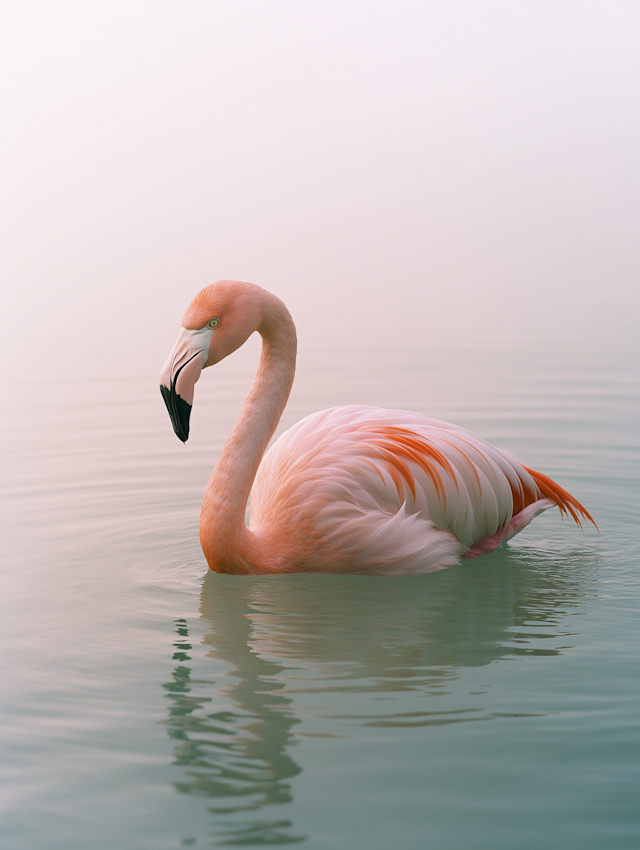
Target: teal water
{"points": [[150, 704]]}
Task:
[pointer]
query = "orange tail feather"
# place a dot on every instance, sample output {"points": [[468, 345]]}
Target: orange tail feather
{"points": [[564, 500]]}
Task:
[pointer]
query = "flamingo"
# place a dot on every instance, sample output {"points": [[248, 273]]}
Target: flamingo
{"points": [[355, 489]]}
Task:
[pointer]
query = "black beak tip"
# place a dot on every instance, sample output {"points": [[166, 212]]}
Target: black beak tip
{"points": [[179, 411]]}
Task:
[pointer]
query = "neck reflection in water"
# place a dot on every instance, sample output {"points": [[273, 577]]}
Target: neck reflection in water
{"points": [[312, 655]]}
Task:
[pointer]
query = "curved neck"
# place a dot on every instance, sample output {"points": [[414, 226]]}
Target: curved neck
{"points": [[226, 541]]}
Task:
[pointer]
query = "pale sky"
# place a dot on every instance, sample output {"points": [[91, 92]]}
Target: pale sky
{"points": [[389, 169]]}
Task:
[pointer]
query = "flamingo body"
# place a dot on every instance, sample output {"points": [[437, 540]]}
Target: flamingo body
{"points": [[366, 490], [347, 490]]}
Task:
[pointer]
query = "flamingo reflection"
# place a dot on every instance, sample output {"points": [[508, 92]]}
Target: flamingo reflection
{"points": [[278, 640]]}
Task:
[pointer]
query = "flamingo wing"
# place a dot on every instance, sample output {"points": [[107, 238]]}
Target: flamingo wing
{"points": [[362, 489]]}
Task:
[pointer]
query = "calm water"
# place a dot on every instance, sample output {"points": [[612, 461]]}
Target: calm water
{"points": [[149, 704]]}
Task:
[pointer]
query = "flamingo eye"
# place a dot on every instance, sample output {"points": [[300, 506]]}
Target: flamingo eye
{"points": [[213, 323]]}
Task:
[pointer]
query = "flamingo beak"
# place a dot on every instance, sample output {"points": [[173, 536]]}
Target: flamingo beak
{"points": [[179, 376]]}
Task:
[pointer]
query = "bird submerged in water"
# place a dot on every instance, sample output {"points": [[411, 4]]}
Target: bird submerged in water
{"points": [[352, 490]]}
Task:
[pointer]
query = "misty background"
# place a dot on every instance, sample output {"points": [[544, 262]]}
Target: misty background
{"points": [[395, 171], [446, 196]]}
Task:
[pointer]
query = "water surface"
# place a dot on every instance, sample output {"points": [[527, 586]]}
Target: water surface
{"points": [[151, 704]]}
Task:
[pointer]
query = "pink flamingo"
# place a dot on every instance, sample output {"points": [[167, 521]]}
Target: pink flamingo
{"points": [[347, 490]]}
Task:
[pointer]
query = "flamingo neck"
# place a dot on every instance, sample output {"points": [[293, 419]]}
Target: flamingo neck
{"points": [[227, 543]]}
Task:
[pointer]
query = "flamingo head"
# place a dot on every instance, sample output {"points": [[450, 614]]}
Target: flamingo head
{"points": [[218, 321]]}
